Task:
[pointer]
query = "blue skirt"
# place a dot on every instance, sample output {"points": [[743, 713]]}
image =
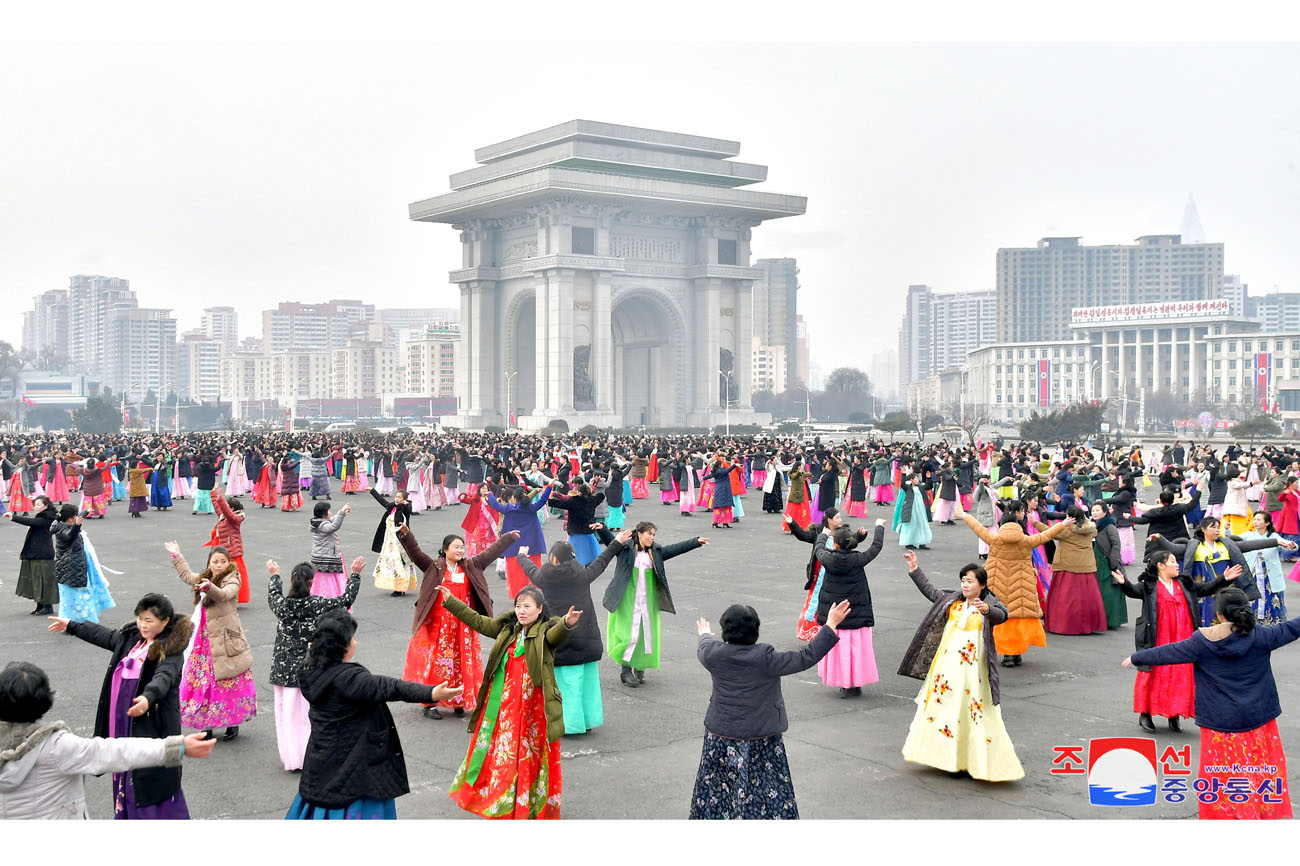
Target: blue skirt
{"points": [[585, 547], [917, 530], [615, 518], [364, 809], [203, 502], [160, 496], [580, 690]]}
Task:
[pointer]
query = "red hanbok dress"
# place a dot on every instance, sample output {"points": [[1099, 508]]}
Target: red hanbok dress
{"points": [[445, 650], [1168, 690]]}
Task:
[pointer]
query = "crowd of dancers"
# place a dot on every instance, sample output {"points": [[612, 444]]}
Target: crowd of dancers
{"points": [[1054, 544]]}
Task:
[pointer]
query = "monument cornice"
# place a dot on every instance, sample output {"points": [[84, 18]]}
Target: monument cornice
{"points": [[725, 272], [572, 261]]}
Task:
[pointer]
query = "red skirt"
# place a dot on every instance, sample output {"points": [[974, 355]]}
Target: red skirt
{"points": [[1168, 690], [723, 515], [445, 650], [640, 489], [801, 513], [19, 501], [1264, 794], [804, 629], [857, 507], [291, 502], [515, 577], [1076, 606], [245, 591]]}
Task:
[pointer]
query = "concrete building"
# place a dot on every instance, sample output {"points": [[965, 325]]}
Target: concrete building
{"points": [[91, 298], [769, 366], [198, 367], [140, 353], [940, 328], [430, 360], [398, 323], [221, 324], [883, 372], [802, 362], [364, 370], [776, 302], [608, 267], [282, 379], [1279, 311], [312, 327], [1038, 286], [1198, 351], [914, 337], [45, 326], [939, 394], [1237, 294]]}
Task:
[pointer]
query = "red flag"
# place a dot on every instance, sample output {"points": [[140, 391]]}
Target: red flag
{"points": [[1044, 382], [28, 401]]}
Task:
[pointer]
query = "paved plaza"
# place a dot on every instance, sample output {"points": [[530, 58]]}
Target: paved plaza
{"points": [[844, 753]]}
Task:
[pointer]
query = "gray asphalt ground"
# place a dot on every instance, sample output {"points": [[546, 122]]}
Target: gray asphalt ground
{"points": [[844, 753]]}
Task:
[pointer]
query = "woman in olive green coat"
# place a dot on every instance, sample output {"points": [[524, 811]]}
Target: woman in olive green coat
{"points": [[512, 768]]}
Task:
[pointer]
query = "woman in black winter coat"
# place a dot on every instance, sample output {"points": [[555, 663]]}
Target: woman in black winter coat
{"points": [[581, 508], [140, 697], [566, 583], [36, 578], [806, 627], [354, 766], [400, 509], [852, 663]]}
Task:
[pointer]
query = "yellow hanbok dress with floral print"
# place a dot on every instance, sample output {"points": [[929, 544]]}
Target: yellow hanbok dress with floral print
{"points": [[957, 726]]}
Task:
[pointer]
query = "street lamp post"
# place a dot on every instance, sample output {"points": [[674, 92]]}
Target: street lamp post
{"points": [[176, 410], [726, 400], [510, 378]]}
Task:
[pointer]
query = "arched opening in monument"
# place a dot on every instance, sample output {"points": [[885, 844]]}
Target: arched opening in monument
{"points": [[647, 381], [521, 356]]}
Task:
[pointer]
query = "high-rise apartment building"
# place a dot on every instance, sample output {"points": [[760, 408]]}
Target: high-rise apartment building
{"points": [[776, 309], [45, 326], [91, 298], [939, 328], [312, 327], [1038, 286], [198, 367], [365, 369], [221, 324], [914, 337], [802, 362], [430, 355], [398, 323], [140, 351], [768, 367]]}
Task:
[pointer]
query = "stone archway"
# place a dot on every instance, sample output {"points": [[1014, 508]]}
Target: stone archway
{"points": [[520, 355], [650, 377]]}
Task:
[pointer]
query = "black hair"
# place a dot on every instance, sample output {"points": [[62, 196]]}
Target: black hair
{"points": [[1234, 607], [1206, 523], [1167, 496], [1154, 559], [1268, 523], [536, 595], [739, 625], [67, 512], [446, 543], [562, 551], [320, 509], [329, 642], [827, 516], [1074, 512], [300, 580], [25, 693], [843, 538], [980, 574], [234, 503], [43, 498], [643, 526], [157, 604]]}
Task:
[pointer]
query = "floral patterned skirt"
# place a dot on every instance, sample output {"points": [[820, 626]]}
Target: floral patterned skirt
{"points": [[207, 702], [510, 770], [1260, 748], [445, 650], [743, 779]]}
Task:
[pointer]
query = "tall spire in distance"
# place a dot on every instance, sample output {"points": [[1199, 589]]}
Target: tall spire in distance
{"points": [[1191, 229]]}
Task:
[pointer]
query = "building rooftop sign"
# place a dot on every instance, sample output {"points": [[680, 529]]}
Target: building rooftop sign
{"points": [[1216, 307]]}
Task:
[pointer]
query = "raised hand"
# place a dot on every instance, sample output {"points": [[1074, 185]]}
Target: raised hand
{"points": [[624, 537], [703, 541], [1232, 573], [571, 618], [837, 613], [880, 521], [347, 509], [272, 566], [702, 626], [357, 565], [58, 623], [172, 547], [910, 556]]}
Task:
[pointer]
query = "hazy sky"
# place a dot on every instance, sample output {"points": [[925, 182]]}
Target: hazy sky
{"points": [[249, 174]]}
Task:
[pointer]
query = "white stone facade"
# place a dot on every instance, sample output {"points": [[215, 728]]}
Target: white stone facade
{"points": [[605, 278]]}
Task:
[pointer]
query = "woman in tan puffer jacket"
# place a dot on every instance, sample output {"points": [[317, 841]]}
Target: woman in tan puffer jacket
{"points": [[1012, 579], [225, 694], [1075, 605]]}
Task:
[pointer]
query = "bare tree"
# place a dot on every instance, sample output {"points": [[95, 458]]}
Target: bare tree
{"points": [[972, 416]]}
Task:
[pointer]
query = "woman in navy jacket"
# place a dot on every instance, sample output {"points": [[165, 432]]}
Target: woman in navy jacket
{"points": [[743, 768], [1236, 708]]}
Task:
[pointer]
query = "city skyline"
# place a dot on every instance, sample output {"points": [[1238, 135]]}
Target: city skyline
{"points": [[299, 192]]}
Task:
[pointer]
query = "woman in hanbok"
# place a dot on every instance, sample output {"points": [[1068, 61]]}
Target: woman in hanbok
{"points": [[296, 613], [140, 698], [911, 520], [855, 499], [668, 493], [36, 578], [442, 649], [237, 483], [290, 481], [684, 482], [1170, 614], [160, 488], [958, 723], [415, 485], [984, 505], [20, 490], [1266, 567], [1236, 709], [94, 489], [327, 550], [882, 479], [1013, 580], [1077, 606], [229, 533], [1236, 508], [519, 514], [137, 488], [806, 626], [83, 590], [119, 482], [54, 481], [480, 522], [512, 767], [353, 471], [581, 508], [1106, 549], [635, 596], [797, 503], [773, 491], [217, 688], [431, 483], [851, 664]]}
